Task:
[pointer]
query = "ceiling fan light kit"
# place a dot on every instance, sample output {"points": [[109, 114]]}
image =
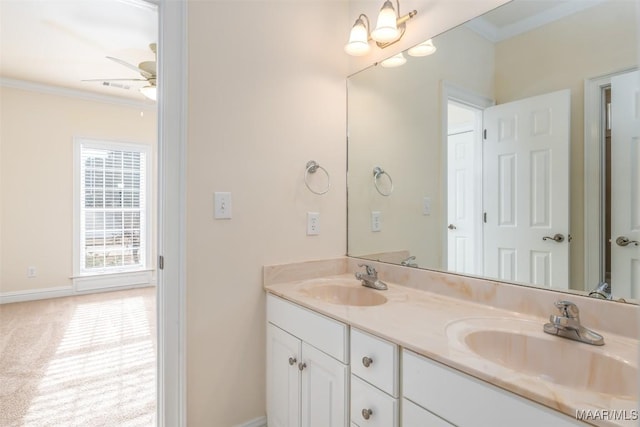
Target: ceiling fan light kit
{"points": [[146, 69]]}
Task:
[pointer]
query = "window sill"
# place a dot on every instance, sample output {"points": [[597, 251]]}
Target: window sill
{"points": [[91, 282]]}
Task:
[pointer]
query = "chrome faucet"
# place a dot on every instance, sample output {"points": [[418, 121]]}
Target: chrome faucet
{"points": [[567, 325], [370, 278], [409, 261]]}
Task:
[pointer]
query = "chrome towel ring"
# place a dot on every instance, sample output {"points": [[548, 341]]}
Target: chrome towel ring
{"points": [[377, 173], [312, 167]]}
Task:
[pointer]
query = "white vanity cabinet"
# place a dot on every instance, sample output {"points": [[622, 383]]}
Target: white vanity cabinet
{"points": [[374, 381], [307, 371], [449, 396]]}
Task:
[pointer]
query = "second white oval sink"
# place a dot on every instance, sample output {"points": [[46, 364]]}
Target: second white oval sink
{"points": [[571, 364], [521, 346]]}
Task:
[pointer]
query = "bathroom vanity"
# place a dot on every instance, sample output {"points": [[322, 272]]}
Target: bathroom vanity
{"points": [[339, 354]]}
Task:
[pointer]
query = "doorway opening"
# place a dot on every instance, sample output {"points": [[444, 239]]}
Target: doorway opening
{"points": [[464, 198]]}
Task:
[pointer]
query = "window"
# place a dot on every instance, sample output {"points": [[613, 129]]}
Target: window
{"points": [[111, 212]]}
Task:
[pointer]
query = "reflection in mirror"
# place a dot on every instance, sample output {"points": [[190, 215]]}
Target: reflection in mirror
{"points": [[509, 148]]}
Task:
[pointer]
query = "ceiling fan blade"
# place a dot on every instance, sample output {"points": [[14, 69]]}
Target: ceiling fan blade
{"points": [[131, 66]]}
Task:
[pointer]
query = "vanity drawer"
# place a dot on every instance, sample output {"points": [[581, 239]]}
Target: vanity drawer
{"points": [[382, 358], [384, 408], [320, 331], [415, 416], [443, 391]]}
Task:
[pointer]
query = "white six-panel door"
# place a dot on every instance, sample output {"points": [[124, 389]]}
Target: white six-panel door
{"points": [[526, 190], [625, 185]]}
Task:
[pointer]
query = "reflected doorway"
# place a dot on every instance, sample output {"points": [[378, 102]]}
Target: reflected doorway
{"points": [[464, 198]]}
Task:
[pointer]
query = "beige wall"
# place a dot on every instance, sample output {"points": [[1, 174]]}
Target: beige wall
{"points": [[395, 122], [266, 95], [562, 56], [36, 176]]}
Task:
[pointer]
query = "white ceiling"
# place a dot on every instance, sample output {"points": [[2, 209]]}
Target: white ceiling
{"points": [[520, 16], [60, 43]]}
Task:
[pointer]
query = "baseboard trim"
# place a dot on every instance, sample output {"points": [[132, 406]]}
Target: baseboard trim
{"points": [[258, 422], [59, 292]]}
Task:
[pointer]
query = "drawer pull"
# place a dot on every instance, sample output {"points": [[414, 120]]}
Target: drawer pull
{"points": [[366, 413], [301, 366], [292, 361], [367, 361]]}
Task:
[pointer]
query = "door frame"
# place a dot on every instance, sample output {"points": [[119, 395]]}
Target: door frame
{"points": [[461, 95], [171, 298], [594, 130]]}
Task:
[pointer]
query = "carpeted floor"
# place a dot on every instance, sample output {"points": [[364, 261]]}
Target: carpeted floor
{"points": [[79, 361]]}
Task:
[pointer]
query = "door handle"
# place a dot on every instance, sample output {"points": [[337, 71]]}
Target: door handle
{"points": [[452, 227], [624, 241], [556, 238]]}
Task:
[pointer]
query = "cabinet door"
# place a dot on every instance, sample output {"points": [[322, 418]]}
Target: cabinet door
{"points": [[283, 378], [324, 390]]}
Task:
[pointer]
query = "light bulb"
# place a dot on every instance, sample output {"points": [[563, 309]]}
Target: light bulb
{"points": [[423, 49], [358, 44], [386, 29], [394, 61]]}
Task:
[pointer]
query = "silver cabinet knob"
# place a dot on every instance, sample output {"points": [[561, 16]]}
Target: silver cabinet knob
{"points": [[301, 366], [559, 238], [625, 241], [366, 413], [367, 361], [292, 361], [452, 227]]}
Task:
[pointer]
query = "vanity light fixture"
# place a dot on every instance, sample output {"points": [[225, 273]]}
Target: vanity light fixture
{"points": [[395, 61], [425, 48], [389, 29]]}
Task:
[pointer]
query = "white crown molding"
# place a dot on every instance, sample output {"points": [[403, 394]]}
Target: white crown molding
{"points": [[495, 34], [75, 93]]}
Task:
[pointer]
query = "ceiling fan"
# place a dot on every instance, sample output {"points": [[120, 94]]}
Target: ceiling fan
{"points": [[147, 70]]}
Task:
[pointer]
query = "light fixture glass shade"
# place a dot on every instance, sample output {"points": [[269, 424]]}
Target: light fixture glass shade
{"points": [[358, 44], [386, 28], [394, 61], [423, 49], [150, 92]]}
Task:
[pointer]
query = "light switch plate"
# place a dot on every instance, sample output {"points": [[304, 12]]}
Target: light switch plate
{"points": [[222, 205]]}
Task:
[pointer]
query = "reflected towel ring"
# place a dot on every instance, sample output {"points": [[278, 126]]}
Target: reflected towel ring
{"points": [[312, 167], [377, 173]]}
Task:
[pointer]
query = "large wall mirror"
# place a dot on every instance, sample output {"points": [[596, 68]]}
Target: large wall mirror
{"points": [[512, 152]]}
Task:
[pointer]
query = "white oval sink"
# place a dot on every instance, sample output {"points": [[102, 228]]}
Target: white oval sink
{"points": [[521, 346], [346, 295], [342, 291]]}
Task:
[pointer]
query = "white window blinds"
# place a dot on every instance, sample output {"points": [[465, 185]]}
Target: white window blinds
{"points": [[113, 198]]}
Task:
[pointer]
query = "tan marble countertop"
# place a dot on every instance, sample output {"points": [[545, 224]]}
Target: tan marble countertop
{"points": [[434, 326]]}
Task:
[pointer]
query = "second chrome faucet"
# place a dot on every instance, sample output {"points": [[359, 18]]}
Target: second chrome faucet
{"points": [[566, 324], [370, 278]]}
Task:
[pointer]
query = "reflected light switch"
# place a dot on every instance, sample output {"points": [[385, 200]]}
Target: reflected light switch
{"points": [[426, 206]]}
